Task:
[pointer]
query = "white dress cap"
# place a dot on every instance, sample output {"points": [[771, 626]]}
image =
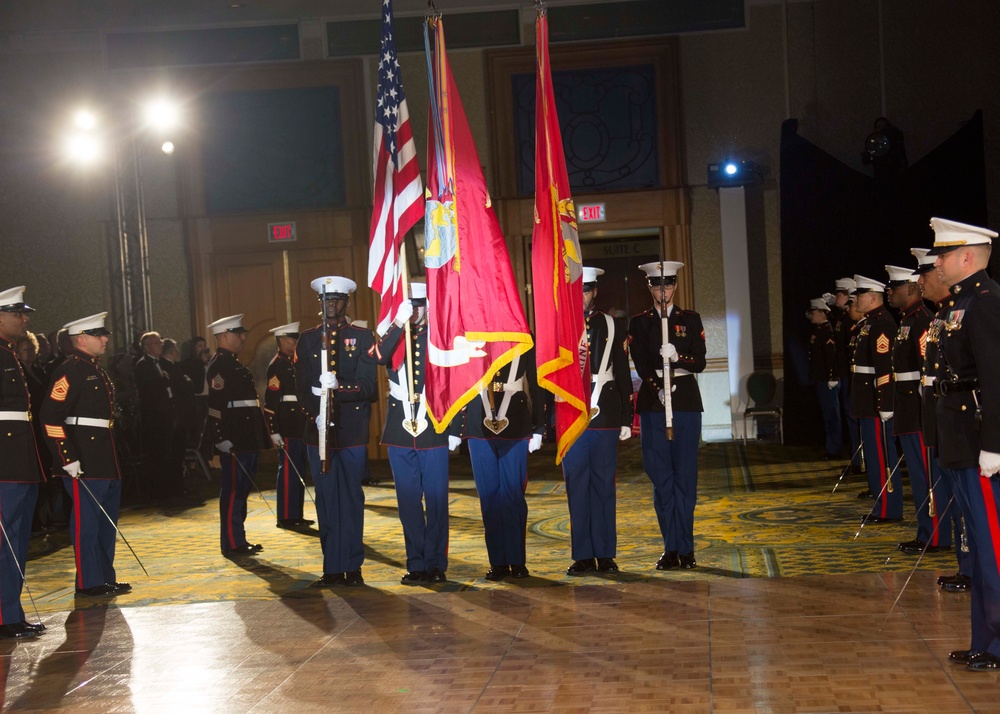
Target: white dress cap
{"points": [[292, 328], [418, 291], [819, 304], [925, 261], [13, 300], [590, 274], [666, 269], [93, 325], [335, 285], [949, 235], [233, 323], [899, 275], [847, 284], [867, 285]]}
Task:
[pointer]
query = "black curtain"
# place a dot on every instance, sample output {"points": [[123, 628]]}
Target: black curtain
{"points": [[836, 221]]}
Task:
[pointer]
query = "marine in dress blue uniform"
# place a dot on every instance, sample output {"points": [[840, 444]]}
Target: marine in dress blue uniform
{"points": [[908, 350], [418, 455], [287, 424], [590, 464], [823, 373], [968, 419], [350, 377], [843, 330], [236, 428], [871, 400], [78, 416], [946, 505], [671, 465], [502, 425], [22, 472]]}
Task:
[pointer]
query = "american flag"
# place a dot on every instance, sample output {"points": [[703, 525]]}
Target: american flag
{"points": [[398, 194]]}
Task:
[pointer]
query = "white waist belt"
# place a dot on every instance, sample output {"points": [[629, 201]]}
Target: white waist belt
{"points": [[676, 372], [862, 370], [14, 416], [603, 377], [907, 376], [244, 403], [398, 392], [289, 398], [87, 421], [928, 380]]}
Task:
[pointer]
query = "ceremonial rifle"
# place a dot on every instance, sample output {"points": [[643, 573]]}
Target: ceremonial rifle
{"points": [[325, 408], [668, 402]]}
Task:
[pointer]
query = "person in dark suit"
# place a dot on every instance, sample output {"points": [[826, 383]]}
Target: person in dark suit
{"points": [[348, 381], [237, 429], [823, 373], [590, 464], [871, 400], [78, 416], [287, 423], [968, 419], [22, 471], [156, 419], [418, 455], [671, 464], [185, 411]]}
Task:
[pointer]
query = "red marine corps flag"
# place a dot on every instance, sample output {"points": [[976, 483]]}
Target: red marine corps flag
{"points": [[476, 321], [398, 194], [557, 271]]}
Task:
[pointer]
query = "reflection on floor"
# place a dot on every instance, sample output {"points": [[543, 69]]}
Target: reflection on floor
{"points": [[205, 634]]}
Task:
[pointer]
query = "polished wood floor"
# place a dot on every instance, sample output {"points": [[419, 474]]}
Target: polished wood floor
{"points": [[255, 637]]}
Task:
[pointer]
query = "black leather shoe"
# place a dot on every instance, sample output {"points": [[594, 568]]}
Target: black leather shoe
{"points": [[962, 656], [497, 572], [102, 590], [17, 631], [688, 561], [983, 662], [668, 560], [414, 577], [35, 626], [579, 567], [121, 588], [295, 523], [353, 578], [878, 520], [960, 584], [437, 576], [942, 579], [607, 565], [245, 550], [866, 494], [518, 571], [330, 579]]}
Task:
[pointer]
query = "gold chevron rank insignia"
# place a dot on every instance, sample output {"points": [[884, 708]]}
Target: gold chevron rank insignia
{"points": [[882, 344], [60, 389]]}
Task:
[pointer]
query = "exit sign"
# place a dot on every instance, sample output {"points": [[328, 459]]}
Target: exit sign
{"points": [[591, 213], [281, 232]]}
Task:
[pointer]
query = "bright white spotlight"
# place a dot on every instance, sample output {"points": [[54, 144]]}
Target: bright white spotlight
{"points": [[168, 147], [82, 148], [84, 119], [731, 168], [162, 114]]}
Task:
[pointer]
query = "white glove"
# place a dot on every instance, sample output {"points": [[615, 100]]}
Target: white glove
{"points": [[662, 396], [328, 380], [404, 312], [829, 298], [832, 383], [74, 469], [626, 433], [319, 422], [886, 416], [225, 446], [989, 463], [535, 443], [453, 442], [669, 351], [278, 441]]}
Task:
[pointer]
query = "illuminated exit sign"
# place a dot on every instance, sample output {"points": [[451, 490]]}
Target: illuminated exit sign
{"points": [[591, 213], [281, 232]]}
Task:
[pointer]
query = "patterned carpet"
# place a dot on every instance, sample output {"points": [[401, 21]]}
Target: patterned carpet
{"points": [[763, 511]]}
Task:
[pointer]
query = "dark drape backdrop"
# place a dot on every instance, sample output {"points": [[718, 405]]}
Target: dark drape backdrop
{"points": [[836, 221]]}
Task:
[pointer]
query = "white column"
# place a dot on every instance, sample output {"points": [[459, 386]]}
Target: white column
{"points": [[736, 275]]}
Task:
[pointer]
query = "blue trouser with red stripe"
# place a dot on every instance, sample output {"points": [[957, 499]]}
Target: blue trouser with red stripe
{"points": [[980, 505], [291, 492], [17, 507], [929, 527], [672, 467], [237, 470], [589, 469], [91, 531], [421, 479], [949, 508], [881, 459], [853, 429], [340, 507], [500, 471]]}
